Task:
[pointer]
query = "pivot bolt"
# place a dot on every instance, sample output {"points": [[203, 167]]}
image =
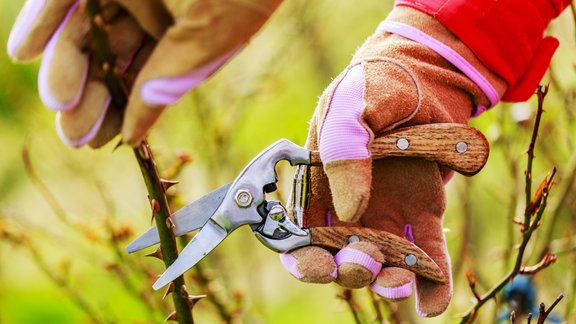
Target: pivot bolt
{"points": [[243, 198]]}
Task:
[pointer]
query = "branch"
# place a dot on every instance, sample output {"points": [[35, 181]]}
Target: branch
{"points": [[541, 93], [545, 312], [143, 154], [42, 187], [534, 205]]}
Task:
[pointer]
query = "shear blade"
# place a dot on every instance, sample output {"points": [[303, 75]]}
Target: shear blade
{"points": [[186, 219], [203, 243]]}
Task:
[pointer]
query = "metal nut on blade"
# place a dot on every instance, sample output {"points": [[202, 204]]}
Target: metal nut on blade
{"points": [[461, 147], [243, 198], [402, 143]]}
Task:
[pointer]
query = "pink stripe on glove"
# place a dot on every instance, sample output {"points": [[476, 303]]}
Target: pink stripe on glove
{"points": [[343, 136], [168, 90], [23, 25]]}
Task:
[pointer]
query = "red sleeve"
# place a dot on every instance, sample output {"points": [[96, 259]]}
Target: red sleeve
{"points": [[506, 35]]}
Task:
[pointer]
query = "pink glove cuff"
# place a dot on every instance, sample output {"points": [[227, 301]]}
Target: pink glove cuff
{"points": [[349, 255], [400, 292], [449, 54], [342, 135]]}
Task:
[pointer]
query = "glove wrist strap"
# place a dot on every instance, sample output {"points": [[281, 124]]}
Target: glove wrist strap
{"points": [[425, 30]]}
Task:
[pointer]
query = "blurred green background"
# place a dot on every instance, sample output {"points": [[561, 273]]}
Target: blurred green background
{"points": [[69, 266]]}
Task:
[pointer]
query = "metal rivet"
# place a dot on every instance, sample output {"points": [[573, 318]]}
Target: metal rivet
{"points": [[410, 260], [402, 143], [243, 198], [461, 147], [353, 239]]}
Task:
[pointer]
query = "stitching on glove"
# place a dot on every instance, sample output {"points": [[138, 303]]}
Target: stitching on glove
{"points": [[416, 85]]}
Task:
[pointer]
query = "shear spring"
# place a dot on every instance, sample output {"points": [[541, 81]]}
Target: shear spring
{"points": [[301, 193]]}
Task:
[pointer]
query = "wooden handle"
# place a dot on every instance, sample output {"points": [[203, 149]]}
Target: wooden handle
{"points": [[460, 147], [397, 251]]}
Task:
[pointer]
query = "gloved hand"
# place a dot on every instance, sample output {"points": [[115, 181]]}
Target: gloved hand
{"points": [[170, 46], [391, 82]]}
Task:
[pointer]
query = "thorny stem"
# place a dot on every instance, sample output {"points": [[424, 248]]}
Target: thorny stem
{"points": [[161, 215], [347, 296], [143, 154], [529, 227], [376, 304]]}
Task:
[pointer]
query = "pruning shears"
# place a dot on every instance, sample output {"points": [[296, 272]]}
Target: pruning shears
{"points": [[243, 202]]}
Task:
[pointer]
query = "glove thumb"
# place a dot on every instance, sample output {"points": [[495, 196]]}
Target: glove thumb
{"points": [[350, 186], [344, 144]]}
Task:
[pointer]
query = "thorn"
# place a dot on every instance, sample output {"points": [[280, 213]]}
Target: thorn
{"points": [[99, 21], [171, 317], [117, 146], [169, 290], [184, 157], [192, 300], [167, 184], [184, 291], [156, 254], [170, 222], [155, 205], [144, 151]]}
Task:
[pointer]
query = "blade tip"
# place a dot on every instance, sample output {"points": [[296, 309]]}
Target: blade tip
{"points": [[159, 284]]}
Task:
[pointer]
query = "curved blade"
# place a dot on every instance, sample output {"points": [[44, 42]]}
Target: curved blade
{"points": [[203, 243], [186, 219]]}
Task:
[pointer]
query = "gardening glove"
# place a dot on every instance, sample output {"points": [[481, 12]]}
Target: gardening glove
{"points": [[392, 82], [163, 49]]}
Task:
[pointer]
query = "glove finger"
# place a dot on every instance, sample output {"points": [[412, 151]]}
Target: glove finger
{"points": [[433, 298], [344, 144], [417, 196], [91, 121], [188, 53], [110, 127], [78, 126], [310, 264], [34, 26], [358, 264], [408, 194], [394, 284], [151, 15], [64, 67], [391, 283]]}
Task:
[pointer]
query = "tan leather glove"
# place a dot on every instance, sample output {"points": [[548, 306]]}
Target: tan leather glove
{"points": [[392, 82], [171, 46]]}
